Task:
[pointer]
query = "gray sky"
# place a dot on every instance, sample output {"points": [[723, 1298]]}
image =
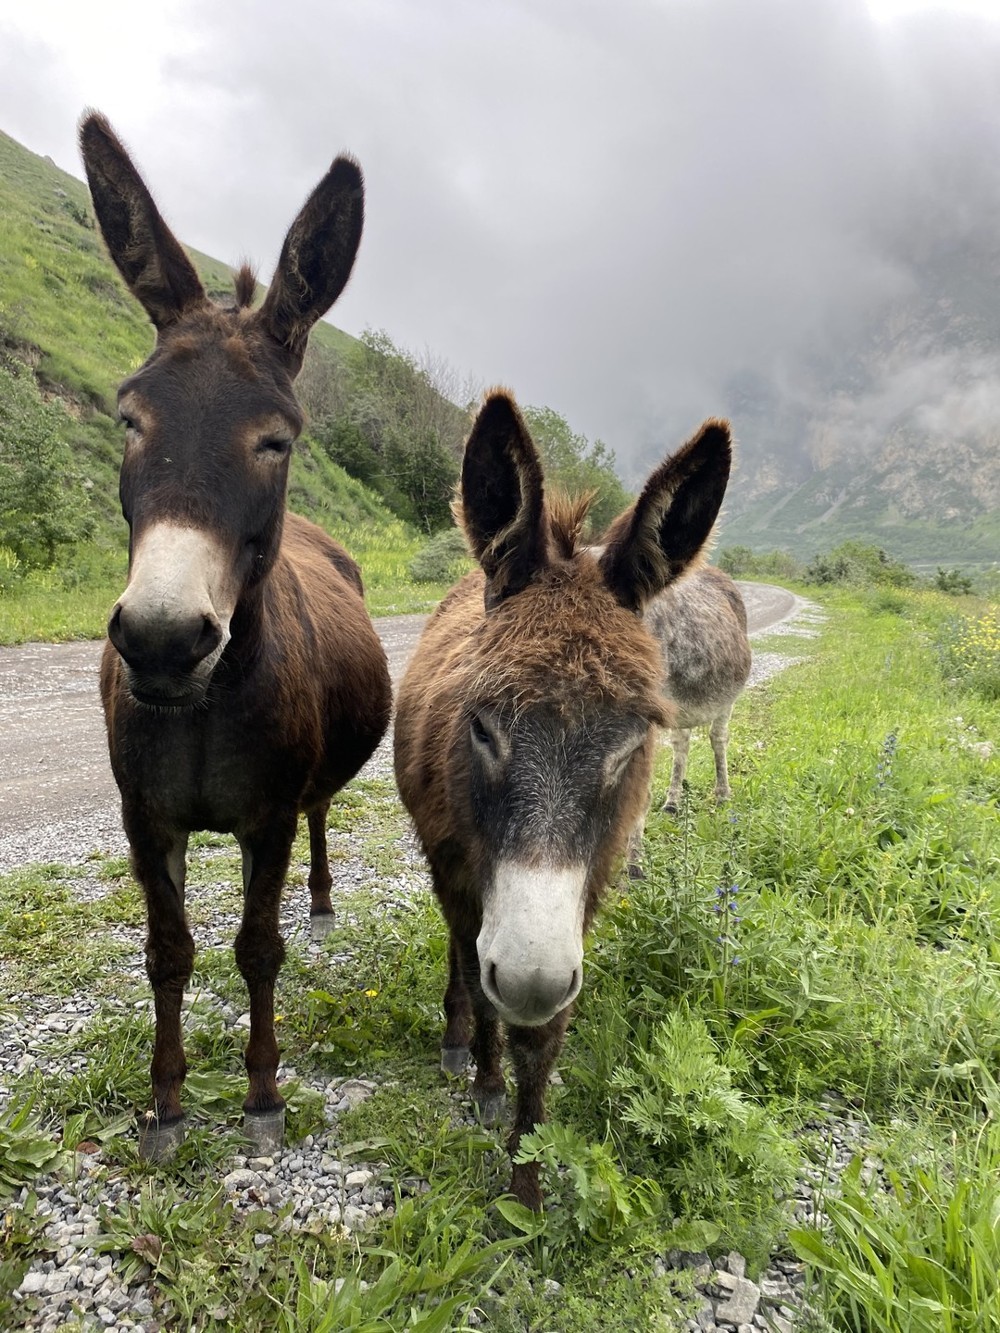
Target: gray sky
{"points": [[612, 207]]}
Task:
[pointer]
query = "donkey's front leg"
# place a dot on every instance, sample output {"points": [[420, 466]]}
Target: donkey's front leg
{"points": [[260, 951], [719, 734], [489, 1091], [680, 743], [158, 865], [534, 1052]]}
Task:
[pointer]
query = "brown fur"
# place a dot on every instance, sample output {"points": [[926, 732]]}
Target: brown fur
{"points": [[296, 699], [544, 630]]}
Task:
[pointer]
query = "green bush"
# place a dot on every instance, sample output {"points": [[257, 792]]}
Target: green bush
{"points": [[41, 501], [444, 559], [859, 563]]}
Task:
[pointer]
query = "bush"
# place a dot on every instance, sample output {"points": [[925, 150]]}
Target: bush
{"points": [[741, 562], [953, 582], [39, 509], [443, 560], [971, 653], [859, 563]]}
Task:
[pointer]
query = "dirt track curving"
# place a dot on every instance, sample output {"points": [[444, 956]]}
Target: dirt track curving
{"points": [[58, 800]]}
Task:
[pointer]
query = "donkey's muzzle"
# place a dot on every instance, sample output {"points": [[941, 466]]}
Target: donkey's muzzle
{"points": [[528, 997], [531, 942], [163, 657]]}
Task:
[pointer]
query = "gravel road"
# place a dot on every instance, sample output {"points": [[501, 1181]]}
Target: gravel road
{"points": [[58, 800]]}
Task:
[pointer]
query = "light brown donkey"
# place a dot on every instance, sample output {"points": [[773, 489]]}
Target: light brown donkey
{"points": [[525, 730], [242, 681]]}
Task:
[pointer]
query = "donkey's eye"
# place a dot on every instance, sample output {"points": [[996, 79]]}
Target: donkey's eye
{"points": [[483, 738], [274, 444]]}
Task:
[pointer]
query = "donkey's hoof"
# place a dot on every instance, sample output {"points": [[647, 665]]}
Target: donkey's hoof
{"points": [[320, 926], [265, 1130], [454, 1059], [159, 1141], [635, 871], [490, 1107], [670, 807]]}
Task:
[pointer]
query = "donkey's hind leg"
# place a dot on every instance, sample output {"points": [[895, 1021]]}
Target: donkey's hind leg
{"points": [[158, 865], [259, 954], [719, 734], [320, 906], [680, 742]]}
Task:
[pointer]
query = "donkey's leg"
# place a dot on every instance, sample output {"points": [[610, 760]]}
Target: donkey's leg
{"points": [[534, 1052], [320, 906], [719, 733], [259, 954], [458, 1012], [680, 742], [158, 865], [489, 1091]]}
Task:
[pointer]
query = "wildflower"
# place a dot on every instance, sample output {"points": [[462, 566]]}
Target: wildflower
{"points": [[371, 994]]}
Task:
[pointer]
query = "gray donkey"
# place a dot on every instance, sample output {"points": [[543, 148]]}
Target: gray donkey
{"points": [[700, 623]]}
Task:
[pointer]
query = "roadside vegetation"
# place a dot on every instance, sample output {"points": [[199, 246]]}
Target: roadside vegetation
{"points": [[828, 938]]}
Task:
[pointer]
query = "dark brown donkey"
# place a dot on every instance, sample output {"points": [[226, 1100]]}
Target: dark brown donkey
{"points": [[243, 681], [525, 731]]}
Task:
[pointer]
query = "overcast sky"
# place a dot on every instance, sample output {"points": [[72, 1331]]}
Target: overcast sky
{"points": [[612, 207]]}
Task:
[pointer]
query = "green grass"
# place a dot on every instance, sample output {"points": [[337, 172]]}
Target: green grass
{"points": [[857, 954]]}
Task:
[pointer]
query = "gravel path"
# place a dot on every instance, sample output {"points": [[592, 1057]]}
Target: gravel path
{"points": [[308, 1181]]}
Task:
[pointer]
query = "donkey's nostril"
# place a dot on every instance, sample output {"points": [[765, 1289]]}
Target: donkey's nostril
{"points": [[116, 631], [208, 639]]}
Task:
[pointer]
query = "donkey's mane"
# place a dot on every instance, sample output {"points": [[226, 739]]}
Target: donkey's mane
{"points": [[567, 515], [245, 282]]}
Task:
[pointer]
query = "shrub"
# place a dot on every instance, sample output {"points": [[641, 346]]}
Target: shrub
{"points": [[953, 582], [971, 653], [39, 511], [859, 563], [443, 560]]}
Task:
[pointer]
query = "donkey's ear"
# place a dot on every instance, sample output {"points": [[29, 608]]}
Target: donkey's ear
{"points": [[317, 258], [654, 541], [147, 254], [502, 500]]}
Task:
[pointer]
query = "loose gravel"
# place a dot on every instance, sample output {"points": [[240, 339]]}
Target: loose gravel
{"points": [[308, 1184]]}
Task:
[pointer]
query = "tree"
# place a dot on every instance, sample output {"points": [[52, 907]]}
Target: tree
{"points": [[576, 466], [40, 505]]}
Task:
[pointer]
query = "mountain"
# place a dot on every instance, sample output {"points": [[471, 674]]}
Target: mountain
{"points": [[889, 428]]}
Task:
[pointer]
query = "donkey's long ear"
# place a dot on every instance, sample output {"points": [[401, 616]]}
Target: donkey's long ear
{"points": [[654, 541], [317, 258], [502, 500], [144, 249]]}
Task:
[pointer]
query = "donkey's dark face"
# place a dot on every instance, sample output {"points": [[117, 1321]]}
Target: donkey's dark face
{"points": [[209, 419], [209, 424]]}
